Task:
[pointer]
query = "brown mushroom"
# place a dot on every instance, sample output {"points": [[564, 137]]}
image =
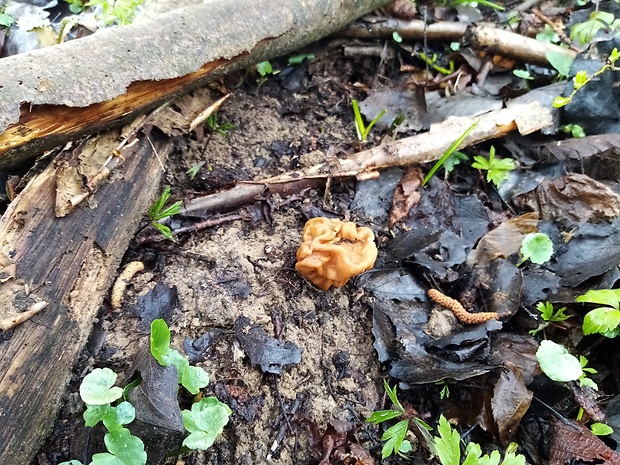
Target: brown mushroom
{"points": [[333, 251]]}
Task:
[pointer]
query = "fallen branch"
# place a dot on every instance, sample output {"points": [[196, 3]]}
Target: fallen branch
{"points": [[59, 93], [422, 148], [488, 38]]}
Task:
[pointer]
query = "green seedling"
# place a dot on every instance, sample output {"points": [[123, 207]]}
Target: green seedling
{"points": [[190, 377], [194, 169], [205, 422], [264, 69], [497, 168], [536, 247], [548, 35], [394, 437], [557, 363], [396, 37], [432, 62], [444, 159], [159, 211], [574, 130], [586, 31], [581, 78], [361, 129], [98, 393], [445, 390], [447, 447], [6, 20], [300, 58], [548, 316], [122, 12], [560, 61], [76, 6], [217, 127], [583, 379], [601, 429], [602, 320], [523, 74]]}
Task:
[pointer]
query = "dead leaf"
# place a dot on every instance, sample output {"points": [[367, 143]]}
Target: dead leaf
{"points": [[511, 399], [406, 194], [504, 240], [575, 196], [267, 352], [573, 441]]}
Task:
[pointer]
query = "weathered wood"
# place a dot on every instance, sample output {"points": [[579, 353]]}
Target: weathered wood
{"points": [[56, 94], [68, 262]]}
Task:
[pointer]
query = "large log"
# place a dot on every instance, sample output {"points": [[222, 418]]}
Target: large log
{"points": [[56, 94]]}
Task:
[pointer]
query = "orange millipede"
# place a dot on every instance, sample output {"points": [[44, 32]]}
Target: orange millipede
{"points": [[459, 311]]}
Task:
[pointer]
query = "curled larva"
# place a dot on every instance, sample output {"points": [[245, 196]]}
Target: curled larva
{"points": [[121, 283], [459, 311]]}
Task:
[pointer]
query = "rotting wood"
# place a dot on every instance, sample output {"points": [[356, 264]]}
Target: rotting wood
{"points": [[485, 37], [68, 262], [421, 148], [53, 95]]}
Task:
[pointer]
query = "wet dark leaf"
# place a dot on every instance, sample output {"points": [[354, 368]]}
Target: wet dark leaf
{"points": [[267, 352], [159, 302], [158, 417], [409, 102], [511, 399], [196, 348]]}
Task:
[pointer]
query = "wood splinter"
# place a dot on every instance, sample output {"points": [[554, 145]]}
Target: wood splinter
{"points": [[118, 291], [459, 311], [16, 320]]}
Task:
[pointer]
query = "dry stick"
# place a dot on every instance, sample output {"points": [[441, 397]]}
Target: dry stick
{"points": [[422, 148], [558, 30], [505, 43]]}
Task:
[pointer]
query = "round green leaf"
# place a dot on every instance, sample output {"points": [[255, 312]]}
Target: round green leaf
{"points": [[106, 459], [96, 387], [557, 363], [129, 449], [194, 378], [199, 440], [601, 429], [537, 247], [94, 414], [601, 320], [125, 413]]}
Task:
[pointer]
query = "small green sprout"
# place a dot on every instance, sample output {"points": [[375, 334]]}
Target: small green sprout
{"points": [[601, 429], [76, 6], [122, 12], [581, 78], [396, 37], [583, 379], [361, 129], [194, 169], [158, 212], [537, 247], [523, 74], [395, 435], [191, 377], [444, 159], [432, 62], [603, 320], [549, 316], [557, 363], [98, 392], [205, 422], [6, 20], [574, 130], [264, 68], [447, 447], [497, 168], [216, 127], [586, 31], [298, 59], [445, 390]]}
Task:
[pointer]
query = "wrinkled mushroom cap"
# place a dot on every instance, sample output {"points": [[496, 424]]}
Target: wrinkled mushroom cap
{"points": [[333, 251]]}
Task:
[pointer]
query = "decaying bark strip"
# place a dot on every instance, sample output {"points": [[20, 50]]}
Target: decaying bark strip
{"points": [[421, 148], [69, 263], [56, 94]]}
